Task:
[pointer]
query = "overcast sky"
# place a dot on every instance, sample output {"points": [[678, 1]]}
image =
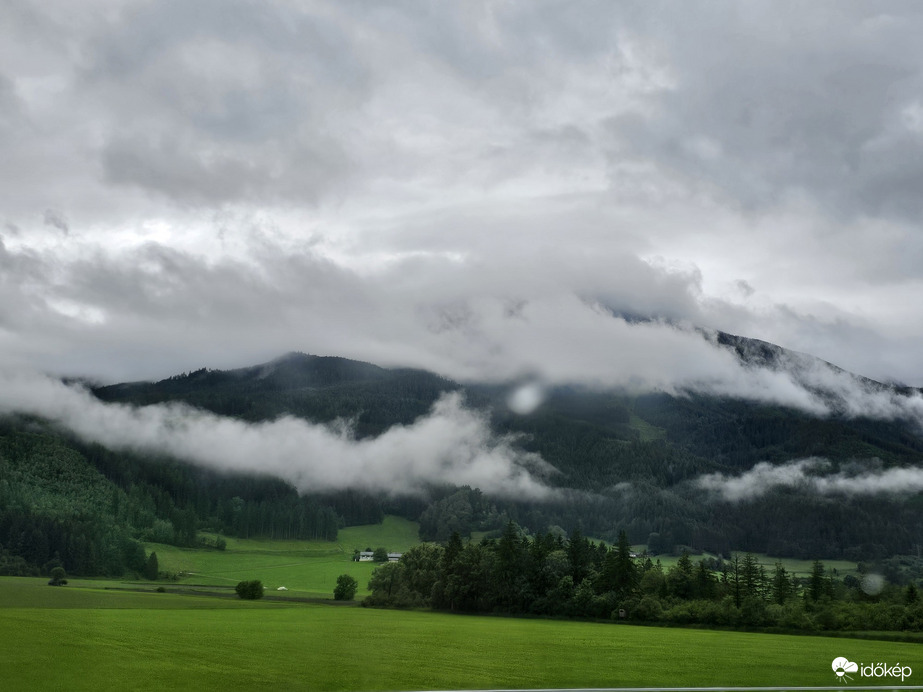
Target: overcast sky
{"points": [[476, 188]]}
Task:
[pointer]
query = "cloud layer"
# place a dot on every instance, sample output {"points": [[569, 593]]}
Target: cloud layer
{"points": [[450, 445], [809, 474]]}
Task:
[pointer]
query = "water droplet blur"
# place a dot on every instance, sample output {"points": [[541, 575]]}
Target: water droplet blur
{"points": [[525, 399], [872, 584]]}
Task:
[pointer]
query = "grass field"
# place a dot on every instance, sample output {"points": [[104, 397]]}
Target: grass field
{"points": [[83, 638], [801, 568], [301, 571], [305, 568], [394, 533]]}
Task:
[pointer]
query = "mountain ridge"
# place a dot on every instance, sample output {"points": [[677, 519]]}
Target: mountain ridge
{"points": [[624, 461]]}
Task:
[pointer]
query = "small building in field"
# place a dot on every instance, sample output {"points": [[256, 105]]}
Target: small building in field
{"points": [[369, 556]]}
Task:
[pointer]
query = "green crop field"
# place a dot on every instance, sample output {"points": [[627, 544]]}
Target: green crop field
{"points": [[83, 638]]}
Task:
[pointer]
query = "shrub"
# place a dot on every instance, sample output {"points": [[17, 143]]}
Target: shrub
{"points": [[250, 590], [58, 577], [346, 588], [650, 608]]}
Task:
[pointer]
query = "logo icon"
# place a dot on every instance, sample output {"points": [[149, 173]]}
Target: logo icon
{"points": [[842, 666]]}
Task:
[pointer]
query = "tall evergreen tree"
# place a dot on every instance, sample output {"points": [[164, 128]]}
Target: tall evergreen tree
{"points": [[620, 574], [818, 584], [680, 577], [750, 576], [781, 584], [704, 584], [151, 567], [509, 568], [733, 577], [578, 552]]}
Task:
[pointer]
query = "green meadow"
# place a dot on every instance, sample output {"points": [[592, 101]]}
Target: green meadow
{"points": [[83, 637], [300, 570], [394, 533], [305, 568], [800, 568], [111, 634]]}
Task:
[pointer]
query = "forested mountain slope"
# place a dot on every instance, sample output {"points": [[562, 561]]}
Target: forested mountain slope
{"points": [[318, 388], [672, 470]]}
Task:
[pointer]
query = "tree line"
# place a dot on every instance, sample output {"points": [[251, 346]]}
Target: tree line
{"points": [[548, 575]]}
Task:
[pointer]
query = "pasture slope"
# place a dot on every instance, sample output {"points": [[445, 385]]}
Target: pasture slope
{"points": [[306, 568], [81, 637]]}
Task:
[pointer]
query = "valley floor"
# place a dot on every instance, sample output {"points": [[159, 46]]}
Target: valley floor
{"points": [[83, 636]]}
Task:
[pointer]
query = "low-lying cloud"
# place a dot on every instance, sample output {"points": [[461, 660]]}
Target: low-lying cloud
{"points": [[155, 311], [814, 386], [451, 444], [809, 474]]}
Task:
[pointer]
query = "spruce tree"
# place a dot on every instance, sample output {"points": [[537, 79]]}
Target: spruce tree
{"points": [[151, 568]]}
